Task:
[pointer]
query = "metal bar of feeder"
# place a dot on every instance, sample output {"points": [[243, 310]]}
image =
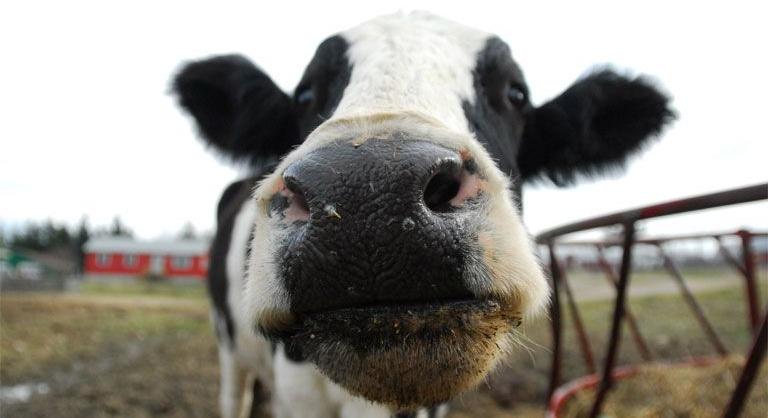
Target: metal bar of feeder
{"points": [[557, 359], [749, 277], [581, 333], [690, 299], [660, 239], [618, 314], [746, 380], [628, 219], [634, 329], [727, 256], [712, 200]]}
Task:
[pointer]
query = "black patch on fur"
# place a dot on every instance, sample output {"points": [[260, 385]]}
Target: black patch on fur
{"points": [[238, 109], [407, 414], [496, 122], [592, 127], [230, 203], [242, 113], [327, 75]]}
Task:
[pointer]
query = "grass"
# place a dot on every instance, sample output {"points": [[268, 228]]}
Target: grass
{"points": [[193, 290], [43, 333], [665, 321], [105, 356], [669, 326]]}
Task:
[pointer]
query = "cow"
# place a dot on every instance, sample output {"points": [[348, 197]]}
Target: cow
{"points": [[375, 263]]}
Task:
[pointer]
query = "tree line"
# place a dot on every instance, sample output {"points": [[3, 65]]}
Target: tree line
{"points": [[49, 235]]}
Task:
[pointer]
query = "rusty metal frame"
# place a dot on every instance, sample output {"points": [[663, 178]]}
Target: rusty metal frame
{"points": [[628, 220], [698, 312], [634, 329], [750, 371], [581, 333]]}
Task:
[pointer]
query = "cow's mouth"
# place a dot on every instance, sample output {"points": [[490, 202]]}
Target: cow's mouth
{"points": [[391, 324], [408, 355]]}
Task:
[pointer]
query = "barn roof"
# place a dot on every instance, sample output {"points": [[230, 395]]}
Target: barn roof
{"points": [[128, 245]]}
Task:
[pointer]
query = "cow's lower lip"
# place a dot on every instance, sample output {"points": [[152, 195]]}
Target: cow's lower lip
{"points": [[391, 324], [405, 355]]}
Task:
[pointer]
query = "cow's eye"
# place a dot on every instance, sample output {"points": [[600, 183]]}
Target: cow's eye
{"points": [[516, 95], [305, 96]]}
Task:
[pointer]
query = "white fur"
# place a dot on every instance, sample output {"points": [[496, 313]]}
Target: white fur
{"points": [[250, 358], [414, 62], [232, 383], [251, 349]]}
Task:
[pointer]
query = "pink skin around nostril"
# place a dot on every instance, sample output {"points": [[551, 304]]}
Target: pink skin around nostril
{"points": [[471, 184], [297, 208], [470, 187]]}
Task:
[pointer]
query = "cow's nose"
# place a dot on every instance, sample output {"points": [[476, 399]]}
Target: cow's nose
{"points": [[383, 222], [413, 175]]}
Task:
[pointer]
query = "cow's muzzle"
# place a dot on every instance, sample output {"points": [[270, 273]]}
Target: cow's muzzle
{"points": [[380, 255], [383, 222]]}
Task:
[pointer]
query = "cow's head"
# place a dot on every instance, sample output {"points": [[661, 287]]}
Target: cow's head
{"points": [[388, 248]]}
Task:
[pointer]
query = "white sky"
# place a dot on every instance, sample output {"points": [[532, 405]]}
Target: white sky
{"points": [[88, 127]]}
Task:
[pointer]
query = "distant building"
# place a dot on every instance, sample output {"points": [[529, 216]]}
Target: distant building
{"points": [[123, 257]]}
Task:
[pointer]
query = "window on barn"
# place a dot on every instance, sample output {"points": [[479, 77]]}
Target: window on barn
{"points": [[102, 259], [130, 260], [181, 263]]}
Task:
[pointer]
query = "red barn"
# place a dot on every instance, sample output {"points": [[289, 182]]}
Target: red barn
{"points": [[122, 257]]}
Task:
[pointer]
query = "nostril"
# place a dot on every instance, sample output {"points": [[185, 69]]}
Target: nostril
{"points": [[298, 209], [443, 187]]}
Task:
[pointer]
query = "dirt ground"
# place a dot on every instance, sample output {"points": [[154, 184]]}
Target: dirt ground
{"points": [[142, 357], [102, 357], [138, 355]]}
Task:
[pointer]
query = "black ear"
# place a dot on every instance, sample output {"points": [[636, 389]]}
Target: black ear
{"points": [[238, 109], [592, 127]]}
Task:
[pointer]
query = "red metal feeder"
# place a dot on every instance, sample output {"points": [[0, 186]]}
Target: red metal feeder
{"points": [[559, 393]]}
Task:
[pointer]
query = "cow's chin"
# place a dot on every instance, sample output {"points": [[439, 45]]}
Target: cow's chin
{"points": [[406, 356]]}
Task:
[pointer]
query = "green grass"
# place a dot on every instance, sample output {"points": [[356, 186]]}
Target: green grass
{"points": [[665, 322], [170, 289], [670, 326]]}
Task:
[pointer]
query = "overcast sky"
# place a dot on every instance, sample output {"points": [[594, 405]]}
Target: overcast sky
{"points": [[89, 129]]}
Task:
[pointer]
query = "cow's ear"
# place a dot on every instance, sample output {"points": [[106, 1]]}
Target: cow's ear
{"points": [[237, 107], [592, 127]]}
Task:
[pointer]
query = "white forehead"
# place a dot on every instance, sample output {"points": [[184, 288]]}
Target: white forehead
{"points": [[412, 62]]}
